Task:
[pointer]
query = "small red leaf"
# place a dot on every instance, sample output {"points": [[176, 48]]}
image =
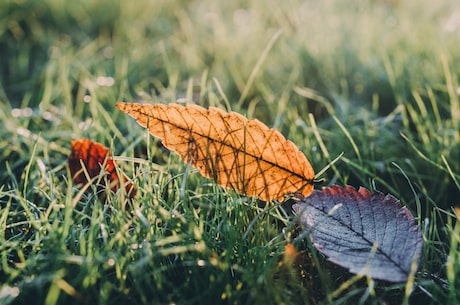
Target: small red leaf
{"points": [[94, 156], [368, 233]]}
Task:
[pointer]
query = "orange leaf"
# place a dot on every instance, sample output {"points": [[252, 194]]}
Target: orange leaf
{"points": [[290, 254], [93, 156], [238, 153]]}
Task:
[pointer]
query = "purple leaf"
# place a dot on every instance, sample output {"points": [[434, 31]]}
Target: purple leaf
{"points": [[368, 233]]}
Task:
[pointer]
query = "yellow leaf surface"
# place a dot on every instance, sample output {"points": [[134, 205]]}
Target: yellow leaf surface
{"points": [[237, 153]]}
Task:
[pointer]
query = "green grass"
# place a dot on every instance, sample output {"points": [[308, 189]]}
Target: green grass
{"points": [[376, 80]]}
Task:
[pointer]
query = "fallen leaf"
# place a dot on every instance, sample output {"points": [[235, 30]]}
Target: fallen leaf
{"points": [[89, 160], [368, 233], [290, 254], [237, 153]]}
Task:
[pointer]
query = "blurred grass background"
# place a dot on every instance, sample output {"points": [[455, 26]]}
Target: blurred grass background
{"points": [[376, 80]]}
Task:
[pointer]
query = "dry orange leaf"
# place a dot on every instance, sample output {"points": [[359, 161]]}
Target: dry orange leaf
{"points": [[237, 153], [93, 156]]}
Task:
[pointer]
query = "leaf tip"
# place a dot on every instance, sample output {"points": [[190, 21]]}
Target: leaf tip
{"points": [[120, 105]]}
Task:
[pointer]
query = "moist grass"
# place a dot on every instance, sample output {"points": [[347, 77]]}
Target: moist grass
{"points": [[376, 81]]}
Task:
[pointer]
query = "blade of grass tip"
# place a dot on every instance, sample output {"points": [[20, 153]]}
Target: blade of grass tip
{"points": [[454, 102], [329, 165], [140, 161], [47, 86], [83, 189], [389, 69], [451, 173], [27, 170], [345, 286], [53, 293], [367, 172], [222, 94], [321, 269], [70, 290], [391, 74], [64, 80], [70, 204], [11, 176], [189, 90], [22, 196], [318, 136], [418, 204], [434, 106], [452, 264], [203, 81], [349, 137], [315, 96], [282, 102], [3, 96], [410, 280], [5, 109], [109, 119], [250, 226], [269, 211], [256, 69], [132, 144], [422, 125], [121, 70], [183, 184], [173, 76], [147, 142], [420, 153], [420, 104], [323, 146], [282, 215], [4, 216]]}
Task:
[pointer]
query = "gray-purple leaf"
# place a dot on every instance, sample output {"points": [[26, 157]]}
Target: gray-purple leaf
{"points": [[368, 233]]}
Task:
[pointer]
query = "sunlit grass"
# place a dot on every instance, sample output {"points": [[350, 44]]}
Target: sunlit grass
{"points": [[374, 80]]}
